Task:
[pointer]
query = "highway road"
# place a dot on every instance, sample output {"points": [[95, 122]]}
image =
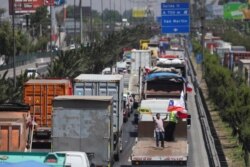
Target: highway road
{"points": [[41, 68], [197, 152]]}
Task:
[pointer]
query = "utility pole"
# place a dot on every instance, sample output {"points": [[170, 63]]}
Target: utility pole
{"points": [[121, 10], [14, 43], [74, 22], [203, 32], [91, 22], [110, 17], [81, 21], [50, 8], [102, 15]]}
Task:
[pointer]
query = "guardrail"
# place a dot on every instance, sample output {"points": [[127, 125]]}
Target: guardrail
{"points": [[213, 146], [26, 59]]}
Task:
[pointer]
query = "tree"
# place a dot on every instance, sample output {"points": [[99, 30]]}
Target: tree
{"points": [[2, 11], [6, 41], [111, 15], [40, 19]]}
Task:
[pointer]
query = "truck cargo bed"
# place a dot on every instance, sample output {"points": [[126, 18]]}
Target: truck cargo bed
{"points": [[145, 150]]}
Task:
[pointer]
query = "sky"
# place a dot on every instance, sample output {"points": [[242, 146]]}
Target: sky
{"points": [[96, 4]]}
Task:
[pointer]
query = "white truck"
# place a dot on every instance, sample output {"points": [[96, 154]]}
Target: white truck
{"points": [[105, 85], [84, 123], [139, 60]]}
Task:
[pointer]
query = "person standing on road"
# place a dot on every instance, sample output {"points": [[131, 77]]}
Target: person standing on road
{"points": [[159, 130], [170, 129]]}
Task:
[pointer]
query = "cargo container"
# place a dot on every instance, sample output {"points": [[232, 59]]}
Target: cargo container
{"points": [[84, 123], [140, 59], [13, 130], [105, 85], [38, 94]]}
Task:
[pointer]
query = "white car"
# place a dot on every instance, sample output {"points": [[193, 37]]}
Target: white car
{"points": [[31, 72], [72, 46]]}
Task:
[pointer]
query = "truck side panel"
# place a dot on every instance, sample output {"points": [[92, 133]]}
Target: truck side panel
{"points": [[140, 58], [83, 126]]}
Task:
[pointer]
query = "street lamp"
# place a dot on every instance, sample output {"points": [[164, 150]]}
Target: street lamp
{"points": [[14, 43], [59, 30]]}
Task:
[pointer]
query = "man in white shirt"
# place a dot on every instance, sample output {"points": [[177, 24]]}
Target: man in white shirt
{"points": [[159, 130]]}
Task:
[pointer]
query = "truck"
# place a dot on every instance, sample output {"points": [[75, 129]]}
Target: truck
{"points": [[85, 124], [13, 129], [173, 59], [163, 85], [139, 60], [44, 159], [38, 94], [144, 152], [105, 85], [231, 58]]}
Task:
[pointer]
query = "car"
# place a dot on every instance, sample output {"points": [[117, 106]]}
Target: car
{"points": [[31, 72], [72, 46]]}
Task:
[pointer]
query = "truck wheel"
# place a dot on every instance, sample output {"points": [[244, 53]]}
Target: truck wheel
{"points": [[116, 157]]}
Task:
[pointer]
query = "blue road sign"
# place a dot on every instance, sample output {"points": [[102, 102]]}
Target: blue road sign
{"points": [[175, 21], [175, 18], [174, 6], [175, 29], [175, 12]]}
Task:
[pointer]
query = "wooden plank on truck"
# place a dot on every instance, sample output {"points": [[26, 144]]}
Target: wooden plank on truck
{"points": [[145, 150]]}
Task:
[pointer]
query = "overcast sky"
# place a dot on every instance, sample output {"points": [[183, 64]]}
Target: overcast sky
{"points": [[96, 4]]}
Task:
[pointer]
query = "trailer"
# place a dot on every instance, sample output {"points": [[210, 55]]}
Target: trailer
{"points": [[105, 85], [163, 85], [144, 152], [13, 129], [38, 94], [84, 123]]}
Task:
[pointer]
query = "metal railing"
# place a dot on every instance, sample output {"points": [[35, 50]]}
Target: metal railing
{"points": [[26, 59]]}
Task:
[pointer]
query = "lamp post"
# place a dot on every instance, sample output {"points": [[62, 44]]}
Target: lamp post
{"points": [[50, 8], [74, 22], [91, 22], [59, 30], [102, 15], [81, 35], [14, 43]]}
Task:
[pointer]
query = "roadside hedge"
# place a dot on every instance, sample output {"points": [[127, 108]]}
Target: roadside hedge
{"points": [[231, 96]]}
